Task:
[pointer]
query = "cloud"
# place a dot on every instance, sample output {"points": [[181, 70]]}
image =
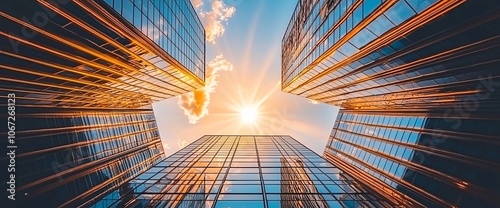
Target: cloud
{"points": [[182, 143], [213, 20], [195, 104], [197, 3], [313, 102], [166, 145]]}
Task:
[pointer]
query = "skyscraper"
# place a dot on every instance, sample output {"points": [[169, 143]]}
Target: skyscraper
{"points": [[408, 55], [417, 83], [119, 54], [245, 171], [67, 156], [80, 77], [296, 185], [422, 157]]}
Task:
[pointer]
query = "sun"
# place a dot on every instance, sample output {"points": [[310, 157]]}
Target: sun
{"points": [[248, 114]]}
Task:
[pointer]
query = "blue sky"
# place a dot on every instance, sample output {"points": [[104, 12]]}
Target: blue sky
{"points": [[251, 44]]}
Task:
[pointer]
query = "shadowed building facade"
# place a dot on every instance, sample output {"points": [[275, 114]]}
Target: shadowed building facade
{"points": [[82, 76], [422, 157], [418, 86], [65, 157], [245, 172]]}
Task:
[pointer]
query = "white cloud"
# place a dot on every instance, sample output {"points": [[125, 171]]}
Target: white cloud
{"points": [[166, 145], [195, 104], [182, 143], [197, 3], [213, 19], [313, 102]]}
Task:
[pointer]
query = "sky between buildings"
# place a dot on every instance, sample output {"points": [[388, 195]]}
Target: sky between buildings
{"points": [[243, 70]]}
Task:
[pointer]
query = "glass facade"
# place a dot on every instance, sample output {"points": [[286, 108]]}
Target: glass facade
{"points": [[405, 54], [81, 77], [417, 82], [154, 187], [86, 54], [426, 158], [65, 157], [244, 171], [296, 187], [172, 25]]}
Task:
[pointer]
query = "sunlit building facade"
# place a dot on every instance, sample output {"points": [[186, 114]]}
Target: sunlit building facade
{"points": [[80, 77], [297, 187], [245, 172], [417, 82], [408, 55], [120, 54], [154, 188]]}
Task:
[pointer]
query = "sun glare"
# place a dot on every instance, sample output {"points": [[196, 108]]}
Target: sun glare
{"points": [[248, 114]]}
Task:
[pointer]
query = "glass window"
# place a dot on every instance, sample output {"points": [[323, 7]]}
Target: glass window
{"points": [[407, 154], [377, 145], [420, 5], [225, 204], [347, 49], [239, 176], [246, 188], [399, 152], [118, 6], [273, 188], [336, 13], [338, 56], [394, 150], [109, 2], [412, 139], [419, 122], [387, 148], [349, 23], [128, 9], [400, 171], [342, 29], [399, 12], [144, 25], [369, 6], [404, 121], [274, 204], [150, 9], [357, 15], [371, 158], [392, 135], [380, 25], [382, 162]]}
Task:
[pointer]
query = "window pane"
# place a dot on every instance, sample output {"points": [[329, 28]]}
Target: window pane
{"points": [[399, 12]]}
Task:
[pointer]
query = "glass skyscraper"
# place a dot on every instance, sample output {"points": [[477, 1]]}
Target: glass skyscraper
{"points": [[120, 54], [80, 77], [418, 86], [421, 157], [67, 156], [412, 55], [244, 171]]}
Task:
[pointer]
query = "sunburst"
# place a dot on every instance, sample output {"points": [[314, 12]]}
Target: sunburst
{"points": [[249, 114]]}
